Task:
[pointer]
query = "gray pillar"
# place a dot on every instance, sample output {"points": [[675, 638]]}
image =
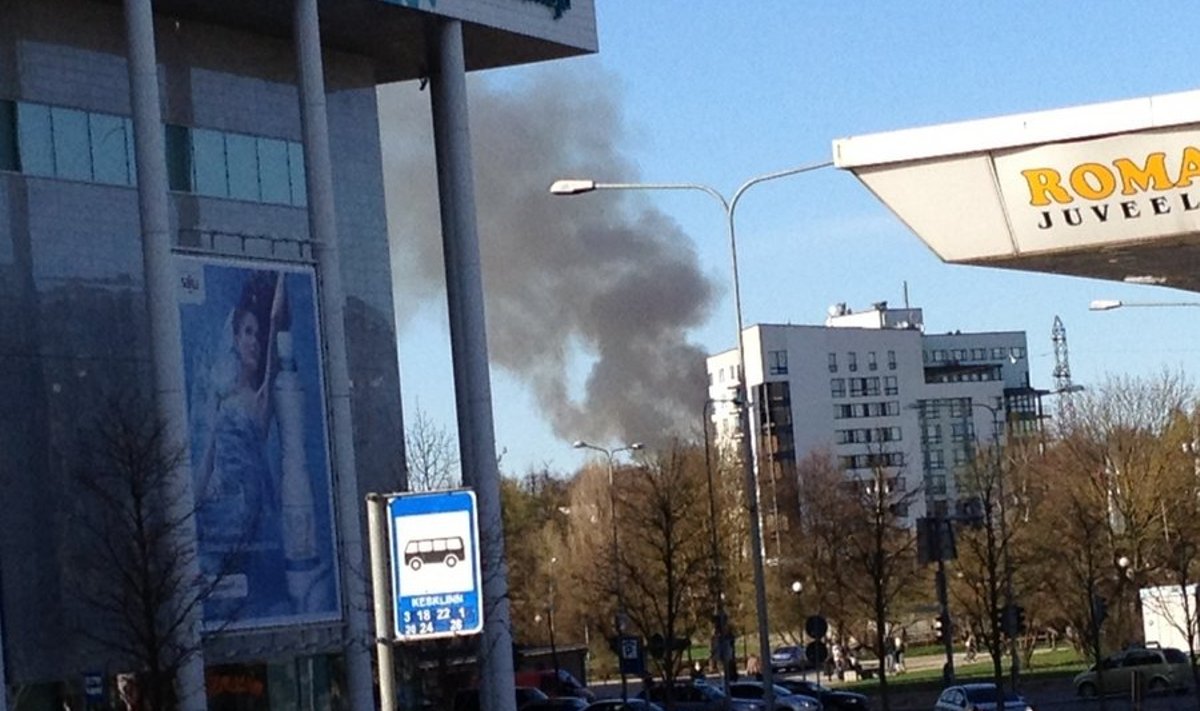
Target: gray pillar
{"points": [[165, 341], [468, 339], [377, 532], [323, 231]]}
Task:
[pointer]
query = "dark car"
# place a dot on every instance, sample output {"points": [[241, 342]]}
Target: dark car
{"points": [[619, 705], [690, 696], [558, 703], [555, 682], [831, 699], [468, 699], [978, 697]]}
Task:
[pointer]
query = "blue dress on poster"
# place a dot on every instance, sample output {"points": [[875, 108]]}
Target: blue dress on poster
{"points": [[263, 517]]}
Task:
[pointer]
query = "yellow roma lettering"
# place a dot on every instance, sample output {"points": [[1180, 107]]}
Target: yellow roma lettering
{"points": [[1151, 176], [1045, 184], [1189, 167], [1093, 181]]}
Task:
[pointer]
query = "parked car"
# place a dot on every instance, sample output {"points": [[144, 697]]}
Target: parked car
{"points": [[555, 682], [556, 703], [696, 696], [831, 699], [785, 659], [978, 697], [468, 699], [784, 699], [619, 705], [1159, 670]]}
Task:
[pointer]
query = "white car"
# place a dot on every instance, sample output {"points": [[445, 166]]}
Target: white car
{"points": [[784, 699]]}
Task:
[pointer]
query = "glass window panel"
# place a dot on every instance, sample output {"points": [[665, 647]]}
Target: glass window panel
{"points": [[241, 152], [296, 164], [72, 154], [8, 136], [36, 140], [179, 158], [131, 153], [110, 157], [208, 163], [273, 171]]}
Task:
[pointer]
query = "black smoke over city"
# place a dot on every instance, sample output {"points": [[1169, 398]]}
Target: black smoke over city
{"points": [[601, 279]]}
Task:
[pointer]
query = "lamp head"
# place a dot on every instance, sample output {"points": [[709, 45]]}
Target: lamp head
{"points": [[1105, 305], [636, 446], [572, 187], [579, 444]]}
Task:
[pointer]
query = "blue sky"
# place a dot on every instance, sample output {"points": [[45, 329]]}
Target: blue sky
{"points": [[717, 92]]}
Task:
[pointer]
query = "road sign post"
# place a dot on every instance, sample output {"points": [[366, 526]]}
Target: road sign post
{"points": [[434, 544]]}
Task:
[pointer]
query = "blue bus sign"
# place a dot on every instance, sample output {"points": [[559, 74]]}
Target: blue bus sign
{"points": [[434, 543]]}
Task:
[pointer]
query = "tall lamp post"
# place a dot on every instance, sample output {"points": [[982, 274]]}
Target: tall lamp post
{"points": [[721, 619], [744, 405], [610, 454]]}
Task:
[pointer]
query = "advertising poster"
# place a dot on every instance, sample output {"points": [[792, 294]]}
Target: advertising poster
{"points": [[259, 442]]}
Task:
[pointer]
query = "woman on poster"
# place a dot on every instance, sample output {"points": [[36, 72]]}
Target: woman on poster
{"points": [[255, 516]]}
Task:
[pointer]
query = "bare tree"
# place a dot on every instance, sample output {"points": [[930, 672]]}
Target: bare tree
{"points": [[880, 547], [430, 452], [133, 557], [665, 553]]}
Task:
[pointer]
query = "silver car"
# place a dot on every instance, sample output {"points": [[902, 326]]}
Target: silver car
{"points": [[784, 699], [978, 697]]}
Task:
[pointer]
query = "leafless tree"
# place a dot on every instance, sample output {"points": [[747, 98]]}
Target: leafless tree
{"points": [[880, 547], [430, 452], [665, 556], [134, 556]]}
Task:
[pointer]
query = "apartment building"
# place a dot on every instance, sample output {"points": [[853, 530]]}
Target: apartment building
{"points": [[875, 392]]}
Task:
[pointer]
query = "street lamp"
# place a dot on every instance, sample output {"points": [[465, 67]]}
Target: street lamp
{"points": [[744, 405], [609, 454], [1111, 304], [720, 622]]}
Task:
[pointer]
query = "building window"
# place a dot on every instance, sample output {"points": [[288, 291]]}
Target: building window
{"points": [[833, 362], [961, 456], [997, 354], [978, 354], [891, 356], [871, 363], [852, 361], [872, 386], [961, 431], [931, 434], [856, 387], [935, 485], [939, 356], [1017, 352], [890, 385], [777, 362], [935, 459], [8, 136], [837, 387]]}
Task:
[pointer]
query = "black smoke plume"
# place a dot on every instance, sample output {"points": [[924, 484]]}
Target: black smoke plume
{"points": [[601, 278]]}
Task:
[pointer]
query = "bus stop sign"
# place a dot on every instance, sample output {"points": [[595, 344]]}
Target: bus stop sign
{"points": [[434, 544]]}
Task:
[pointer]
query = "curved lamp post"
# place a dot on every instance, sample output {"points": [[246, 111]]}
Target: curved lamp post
{"points": [[581, 186], [610, 454], [1111, 304]]}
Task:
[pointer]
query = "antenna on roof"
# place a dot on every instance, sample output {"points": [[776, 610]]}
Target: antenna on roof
{"points": [[905, 282]]}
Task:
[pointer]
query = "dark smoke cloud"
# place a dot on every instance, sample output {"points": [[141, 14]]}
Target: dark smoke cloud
{"points": [[603, 276]]}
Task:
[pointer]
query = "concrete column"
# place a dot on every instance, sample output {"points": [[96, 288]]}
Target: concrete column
{"points": [[165, 341], [468, 339], [318, 168]]}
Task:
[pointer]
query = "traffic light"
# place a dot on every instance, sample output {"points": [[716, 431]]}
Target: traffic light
{"points": [[943, 628], [1020, 619]]}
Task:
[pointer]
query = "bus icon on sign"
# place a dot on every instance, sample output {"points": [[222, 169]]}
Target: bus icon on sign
{"points": [[419, 552]]}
